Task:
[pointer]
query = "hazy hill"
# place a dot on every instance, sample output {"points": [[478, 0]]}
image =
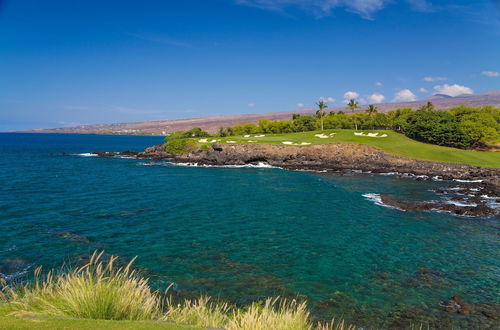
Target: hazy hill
{"points": [[212, 123]]}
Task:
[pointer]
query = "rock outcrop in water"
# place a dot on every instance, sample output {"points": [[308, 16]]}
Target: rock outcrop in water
{"points": [[461, 200], [331, 156]]}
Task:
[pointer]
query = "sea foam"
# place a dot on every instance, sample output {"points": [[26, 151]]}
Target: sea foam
{"points": [[377, 200]]}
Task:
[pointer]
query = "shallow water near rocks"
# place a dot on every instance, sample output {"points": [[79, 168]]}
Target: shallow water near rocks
{"points": [[245, 233]]}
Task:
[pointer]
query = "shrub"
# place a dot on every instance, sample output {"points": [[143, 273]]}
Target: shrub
{"points": [[180, 146]]}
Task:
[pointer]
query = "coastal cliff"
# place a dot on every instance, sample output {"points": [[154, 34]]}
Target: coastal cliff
{"points": [[331, 157]]}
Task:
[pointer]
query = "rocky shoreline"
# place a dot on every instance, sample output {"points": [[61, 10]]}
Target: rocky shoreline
{"points": [[476, 192], [330, 157]]}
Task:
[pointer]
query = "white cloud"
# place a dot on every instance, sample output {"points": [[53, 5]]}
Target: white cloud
{"points": [[421, 5], [423, 90], [378, 84], [251, 105], [376, 98], [327, 99], [365, 8], [431, 79], [404, 95], [351, 95], [491, 73], [453, 90], [300, 105]]}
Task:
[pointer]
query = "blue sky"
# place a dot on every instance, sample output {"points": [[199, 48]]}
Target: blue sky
{"points": [[82, 62]]}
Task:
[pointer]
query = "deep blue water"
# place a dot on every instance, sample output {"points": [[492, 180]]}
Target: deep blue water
{"points": [[242, 234]]}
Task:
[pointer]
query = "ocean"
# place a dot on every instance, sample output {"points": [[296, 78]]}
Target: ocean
{"points": [[243, 234]]}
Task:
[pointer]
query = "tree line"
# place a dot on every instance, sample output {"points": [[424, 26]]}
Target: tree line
{"points": [[460, 127]]}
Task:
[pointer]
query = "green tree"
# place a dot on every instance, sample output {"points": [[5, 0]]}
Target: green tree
{"points": [[371, 110], [321, 111], [305, 123], [353, 105], [428, 106]]}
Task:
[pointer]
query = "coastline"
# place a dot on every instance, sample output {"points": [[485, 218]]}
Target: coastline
{"points": [[321, 157], [474, 194]]}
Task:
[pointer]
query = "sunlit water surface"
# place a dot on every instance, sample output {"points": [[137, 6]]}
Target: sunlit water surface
{"points": [[243, 234]]}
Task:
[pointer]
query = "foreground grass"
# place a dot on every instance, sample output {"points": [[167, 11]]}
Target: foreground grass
{"points": [[88, 296], [14, 323], [394, 143]]}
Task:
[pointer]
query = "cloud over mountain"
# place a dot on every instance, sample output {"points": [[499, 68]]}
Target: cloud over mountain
{"points": [[351, 95], [453, 90], [404, 95], [376, 98]]}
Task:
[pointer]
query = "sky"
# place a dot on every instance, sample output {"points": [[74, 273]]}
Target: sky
{"points": [[67, 63]]}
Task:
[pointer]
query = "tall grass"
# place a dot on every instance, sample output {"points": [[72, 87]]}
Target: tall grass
{"points": [[100, 290], [97, 290], [202, 311], [278, 314]]}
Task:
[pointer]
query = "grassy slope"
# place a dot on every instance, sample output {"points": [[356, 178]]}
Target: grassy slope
{"points": [[11, 323], [14, 323], [394, 143]]}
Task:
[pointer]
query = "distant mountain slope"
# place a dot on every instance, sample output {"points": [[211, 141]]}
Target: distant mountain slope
{"points": [[212, 123]]}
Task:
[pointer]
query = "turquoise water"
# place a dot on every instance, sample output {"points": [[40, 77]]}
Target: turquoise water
{"points": [[243, 234]]}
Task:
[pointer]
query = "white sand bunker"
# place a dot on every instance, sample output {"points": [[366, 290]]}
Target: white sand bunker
{"points": [[370, 135], [296, 144], [246, 135], [230, 141], [258, 136], [203, 140], [251, 141], [322, 136]]}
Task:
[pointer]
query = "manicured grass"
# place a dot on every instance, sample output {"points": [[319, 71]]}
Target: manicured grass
{"points": [[394, 143], [13, 323]]}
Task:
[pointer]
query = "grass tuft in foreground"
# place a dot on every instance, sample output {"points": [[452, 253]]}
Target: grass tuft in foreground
{"points": [[101, 291], [98, 290]]}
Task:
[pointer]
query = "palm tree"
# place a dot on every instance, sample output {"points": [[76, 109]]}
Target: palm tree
{"points": [[353, 105], [321, 112], [370, 111]]}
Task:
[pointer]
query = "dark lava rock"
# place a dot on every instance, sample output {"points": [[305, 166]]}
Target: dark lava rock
{"points": [[458, 305], [128, 153], [428, 277], [481, 210], [156, 152], [489, 310], [73, 237], [12, 265], [407, 205]]}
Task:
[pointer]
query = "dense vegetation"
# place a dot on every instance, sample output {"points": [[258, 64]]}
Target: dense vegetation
{"points": [[100, 290], [460, 127]]}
